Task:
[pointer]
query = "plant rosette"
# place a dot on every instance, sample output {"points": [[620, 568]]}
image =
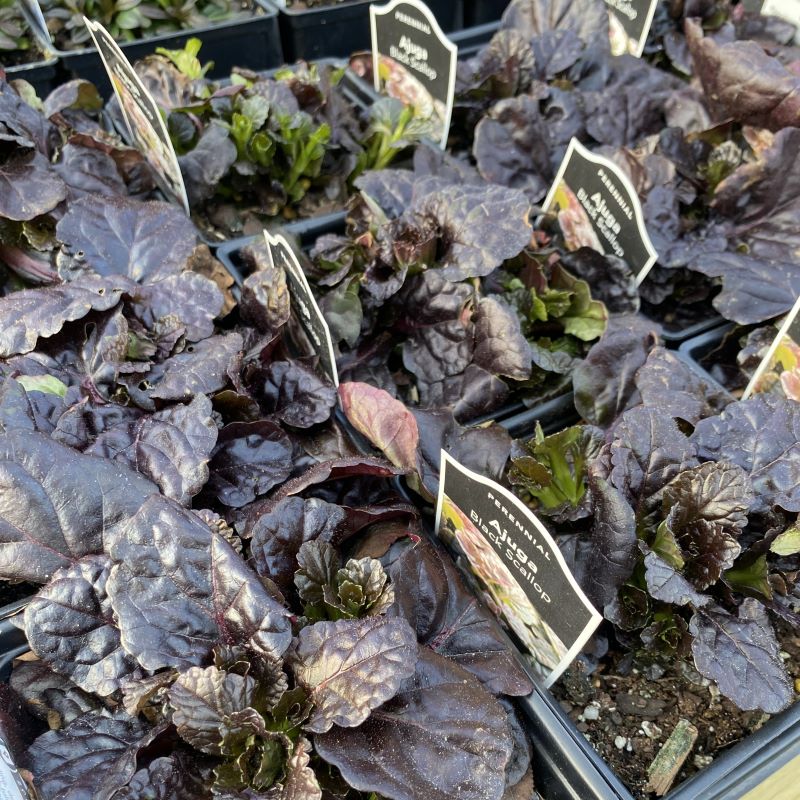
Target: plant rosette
{"points": [[229, 592], [441, 292], [674, 505], [260, 149]]}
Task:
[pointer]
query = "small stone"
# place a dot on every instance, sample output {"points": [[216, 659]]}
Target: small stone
{"points": [[616, 717], [620, 742], [650, 730], [702, 761], [582, 727], [591, 712]]}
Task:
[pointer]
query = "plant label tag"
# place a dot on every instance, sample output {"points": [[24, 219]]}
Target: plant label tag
{"points": [[628, 25], [142, 116], [305, 306], [12, 786], [598, 207], [32, 12], [779, 370], [413, 61], [517, 566], [787, 10]]}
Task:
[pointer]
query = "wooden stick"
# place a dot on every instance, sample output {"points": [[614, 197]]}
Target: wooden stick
{"points": [[670, 758]]}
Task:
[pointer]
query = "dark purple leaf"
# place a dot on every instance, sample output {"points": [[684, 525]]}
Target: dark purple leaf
{"points": [[91, 758], [120, 236], [762, 436], [202, 368], [203, 700], [742, 655], [500, 347], [665, 583], [178, 589], [29, 186], [57, 505], [442, 736], [70, 624], [31, 314], [171, 447], [296, 395], [250, 459], [351, 667], [447, 618]]}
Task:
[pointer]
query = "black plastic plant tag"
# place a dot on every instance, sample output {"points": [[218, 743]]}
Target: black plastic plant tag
{"points": [[779, 370], [518, 567], [628, 25], [598, 207], [32, 12], [12, 786], [142, 116], [415, 62], [307, 311]]}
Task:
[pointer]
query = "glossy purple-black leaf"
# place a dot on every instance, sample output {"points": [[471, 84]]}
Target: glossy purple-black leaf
{"points": [[203, 700], [648, 450], [194, 300], [665, 583], [202, 368], [70, 624], [742, 655], [500, 347], [277, 534], [296, 395], [667, 383], [91, 758], [604, 382], [250, 458], [172, 447], [446, 617], [31, 314], [29, 186], [352, 666], [442, 735], [178, 589], [146, 241], [762, 436], [57, 505], [742, 81], [479, 226], [613, 551]]}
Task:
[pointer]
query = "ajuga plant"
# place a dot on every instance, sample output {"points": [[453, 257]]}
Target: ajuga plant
{"points": [[131, 20], [257, 148], [441, 292], [14, 34], [234, 602], [56, 163], [678, 519]]}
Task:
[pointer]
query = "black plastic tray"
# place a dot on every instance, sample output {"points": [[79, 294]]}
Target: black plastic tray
{"points": [[695, 348], [478, 12], [342, 29], [253, 42], [44, 75], [675, 337]]}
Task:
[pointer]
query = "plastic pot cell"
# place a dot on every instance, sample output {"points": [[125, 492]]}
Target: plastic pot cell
{"points": [[250, 41], [341, 28], [42, 75], [478, 12]]}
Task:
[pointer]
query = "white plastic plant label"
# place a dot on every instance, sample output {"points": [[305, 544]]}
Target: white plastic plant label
{"points": [[629, 23], [413, 61], [779, 370], [787, 10], [305, 306], [12, 786], [598, 207], [517, 566], [142, 116], [32, 12]]}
